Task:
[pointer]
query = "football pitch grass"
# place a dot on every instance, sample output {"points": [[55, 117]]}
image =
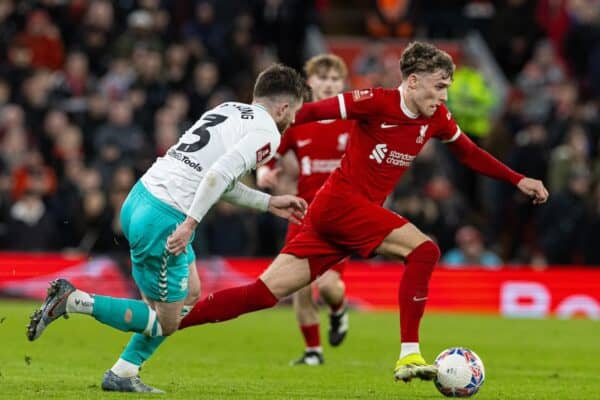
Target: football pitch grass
{"points": [[248, 358]]}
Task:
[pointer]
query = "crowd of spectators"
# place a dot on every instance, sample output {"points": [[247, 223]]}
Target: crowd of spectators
{"points": [[92, 91]]}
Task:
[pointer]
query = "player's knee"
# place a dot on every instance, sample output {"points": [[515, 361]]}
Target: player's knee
{"points": [[427, 252], [170, 328], [193, 296], [168, 325], [329, 282], [303, 297]]}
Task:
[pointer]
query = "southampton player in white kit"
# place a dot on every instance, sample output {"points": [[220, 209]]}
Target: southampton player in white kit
{"points": [[163, 209]]}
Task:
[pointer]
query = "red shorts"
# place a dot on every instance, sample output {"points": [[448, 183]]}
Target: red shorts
{"points": [[338, 225], [294, 229]]}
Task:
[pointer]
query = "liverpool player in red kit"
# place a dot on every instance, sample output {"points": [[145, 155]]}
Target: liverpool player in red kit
{"points": [[346, 216], [318, 148]]}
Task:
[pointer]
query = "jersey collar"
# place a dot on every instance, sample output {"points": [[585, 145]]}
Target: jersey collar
{"points": [[403, 106], [260, 106]]}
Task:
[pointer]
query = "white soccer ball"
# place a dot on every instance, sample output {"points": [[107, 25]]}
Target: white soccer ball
{"points": [[460, 372]]}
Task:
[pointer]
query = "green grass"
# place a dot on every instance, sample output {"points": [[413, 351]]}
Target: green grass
{"points": [[247, 358]]}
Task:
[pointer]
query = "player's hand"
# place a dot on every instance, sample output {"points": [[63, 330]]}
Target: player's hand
{"points": [[535, 189], [267, 178], [179, 239], [289, 207]]}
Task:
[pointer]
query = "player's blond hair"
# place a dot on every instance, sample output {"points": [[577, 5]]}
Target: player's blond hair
{"points": [[325, 62], [425, 57]]}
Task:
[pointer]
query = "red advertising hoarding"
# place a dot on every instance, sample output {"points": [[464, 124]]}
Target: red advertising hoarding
{"points": [[518, 292]]}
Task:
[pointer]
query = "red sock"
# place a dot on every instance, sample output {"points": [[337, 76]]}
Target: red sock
{"points": [[311, 335], [230, 303], [414, 287]]}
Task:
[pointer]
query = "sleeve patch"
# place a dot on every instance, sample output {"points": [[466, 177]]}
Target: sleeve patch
{"points": [[263, 153], [362, 94]]}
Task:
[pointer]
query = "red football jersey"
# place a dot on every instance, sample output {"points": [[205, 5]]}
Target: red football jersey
{"points": [[385, 141], [319, 147]]}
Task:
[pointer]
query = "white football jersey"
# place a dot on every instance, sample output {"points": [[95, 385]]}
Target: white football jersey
{"points": [[249, 129]]}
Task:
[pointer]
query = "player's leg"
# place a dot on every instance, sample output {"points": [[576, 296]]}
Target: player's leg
{"points": [[365, 228], [420, 255], [127, 315], [284, 276], [147, 223], [332, 290], [307, 315], [141, 347], [300, 262]]}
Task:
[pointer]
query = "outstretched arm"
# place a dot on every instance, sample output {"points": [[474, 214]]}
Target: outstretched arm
{"points": [[473, 156], [221, 175], [289, 207], [319, 111]]}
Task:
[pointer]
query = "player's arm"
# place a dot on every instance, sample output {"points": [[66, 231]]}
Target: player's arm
{"points": [[267, 175], [355, 104], [222, 175], [473, 156], [286, 206]]}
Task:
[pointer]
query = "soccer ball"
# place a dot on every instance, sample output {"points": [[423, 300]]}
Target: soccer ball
{"points": [[460, 372]]}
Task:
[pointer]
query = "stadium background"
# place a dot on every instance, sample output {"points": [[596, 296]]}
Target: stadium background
{"points": [[91, 91]]}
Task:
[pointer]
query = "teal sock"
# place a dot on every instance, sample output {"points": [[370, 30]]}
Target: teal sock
{"points": [[140, 348], [126, 315]]}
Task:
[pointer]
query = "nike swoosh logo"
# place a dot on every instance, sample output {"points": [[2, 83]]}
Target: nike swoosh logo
{"points": [[385, 126], [415, 298], [51, 310], [302, 143]]}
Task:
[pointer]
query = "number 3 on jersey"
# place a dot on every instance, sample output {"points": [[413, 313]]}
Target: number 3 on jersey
{"points": [[203, 133]]}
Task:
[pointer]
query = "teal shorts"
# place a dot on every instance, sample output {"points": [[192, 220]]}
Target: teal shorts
{"points": [[147, 223]]}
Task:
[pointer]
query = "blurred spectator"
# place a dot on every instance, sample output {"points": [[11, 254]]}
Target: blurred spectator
{"points": [[471, 100], [563, 221], [440, 19], [42, 37], [74, 83], [118, 79], [177, 69], [421, 211], [140, 33], [582, 42], [553, 18], [574, 153], [36, 99], [205, 81], [204, 28], [591, 250], [30, 225], [120, 130], [18, 64], [513, 33], [452, 206], [537, 80], [96, 34], [138, 73], [283, 24], [470, 251], [391, 18], [230, 231], [150, 85]]}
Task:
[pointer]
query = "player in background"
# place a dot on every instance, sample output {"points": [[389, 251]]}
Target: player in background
{"points": [[163, 209], [316, 149], [346, 216]]}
